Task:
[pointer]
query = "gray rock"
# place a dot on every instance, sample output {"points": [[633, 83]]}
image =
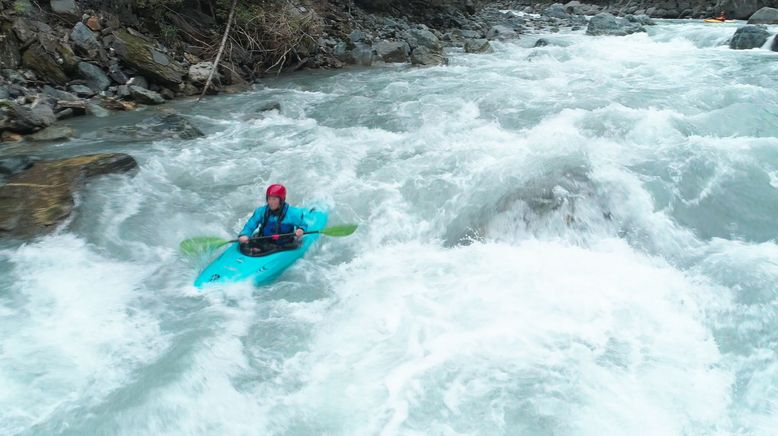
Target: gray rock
{"points": [[541, 43], [4, 94], [764, 16], [22, 119], [362, 54], [10, 55], [422, 38], [171, 125], [144, 57], [64, 113], [198, 73], [58, 94], [269, 106], [94, 76], [640, 19], [748, 37], [425, 56], [65, 7], [393, 51], [117, 74], [52, 133], [84, 40], [145, 96], [478, 46], [82, 91], [97, 110], [123, 91], [139, 81], [23, 29], [357, 36], [501, 33], [15, 164], [606, 24], [556, 11]]}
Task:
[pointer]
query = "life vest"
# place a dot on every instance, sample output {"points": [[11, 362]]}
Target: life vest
{"points": [[278, 226]]}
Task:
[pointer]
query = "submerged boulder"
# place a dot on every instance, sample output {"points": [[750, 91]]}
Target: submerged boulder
{"points": [[607, 24], [748, 37], [478, 46], [34, 201]]}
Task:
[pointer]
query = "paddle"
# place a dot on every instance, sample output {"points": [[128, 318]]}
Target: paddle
{"points": [[195, 246]]}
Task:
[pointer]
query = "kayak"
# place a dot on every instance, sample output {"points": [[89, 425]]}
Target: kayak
{"points": [[233, 266], [713, 20]]}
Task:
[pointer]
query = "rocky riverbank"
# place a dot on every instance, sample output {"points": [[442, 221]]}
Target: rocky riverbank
{"points": [[66, 58]]}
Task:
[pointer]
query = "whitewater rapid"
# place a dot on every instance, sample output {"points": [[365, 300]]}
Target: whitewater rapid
{"points": [[576, 239]]}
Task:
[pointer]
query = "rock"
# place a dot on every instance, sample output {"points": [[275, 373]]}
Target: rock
{"points": [[4, 94], [52, 133], [501, 33], [117, 105], [93, 23], [58, 94], [64, 114], [9, 49], [640, 19], [748, 37], [15, 164], [556, 11], [82, 91], [170, 125], [362, 54], [166, 93], [606, 24], [743, 9], [145, 96], [23, 29], [357, 36], [141, 55], [44, 65], [540, 43], [269, 106], [478, 46], [139, 81], [96, 110], [425, 56], [94, 76], [8, 136], [393, 51], [59, 51], [422, 38], [22, 119], [198, 73], [84, 40], [764, 16], [117, 75], [64, 7], [123, 91], [36, 200]]}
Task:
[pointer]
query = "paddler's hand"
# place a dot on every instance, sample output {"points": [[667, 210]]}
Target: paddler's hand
{"points": [[298, 233], [243, 239]]}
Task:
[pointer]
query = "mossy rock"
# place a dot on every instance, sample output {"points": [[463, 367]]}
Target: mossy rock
{"points": [[141, 55], [44, 65]]}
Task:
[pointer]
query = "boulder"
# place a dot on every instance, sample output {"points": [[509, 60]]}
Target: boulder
{"points": [[23, 29], [35, 201], [82, 91], [556, 11], [501, 33], [743, 9], [170, 125], [606, 24], [142, 56], [145, 96], [23, 119], [44, 64], [764, 16], [52, 133], [478, 46], [85, 40], [748, 37], [60, 51], [64, 7], [393, 51], [422, 38], [94, 76], [640, 19], [58, 94], [426, 56], [15, 164], [117, 74], [9, 48], [198, 73]]}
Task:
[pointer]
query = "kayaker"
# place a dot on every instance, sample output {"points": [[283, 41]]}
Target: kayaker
{"points": [[722, 16], [276, 217]]}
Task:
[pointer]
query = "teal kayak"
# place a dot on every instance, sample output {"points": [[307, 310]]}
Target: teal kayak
{"points": [[233, 266]]}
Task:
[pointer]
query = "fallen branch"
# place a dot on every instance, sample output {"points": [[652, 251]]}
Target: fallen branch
{"points": [[221, 50]]}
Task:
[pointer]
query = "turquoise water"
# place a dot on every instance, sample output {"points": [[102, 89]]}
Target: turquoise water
{"points": [[574, 239]]}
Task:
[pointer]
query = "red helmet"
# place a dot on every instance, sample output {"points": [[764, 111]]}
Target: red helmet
{"points": [[276, 190]]}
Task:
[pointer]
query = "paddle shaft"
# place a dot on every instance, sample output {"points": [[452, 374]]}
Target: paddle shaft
{"points": [[274, 236]]}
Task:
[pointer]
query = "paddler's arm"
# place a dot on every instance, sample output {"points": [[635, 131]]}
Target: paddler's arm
{"points": [[297, 217], [252, 224]]}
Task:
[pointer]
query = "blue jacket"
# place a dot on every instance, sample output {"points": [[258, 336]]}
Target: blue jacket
{"points": [[293, 218]]}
